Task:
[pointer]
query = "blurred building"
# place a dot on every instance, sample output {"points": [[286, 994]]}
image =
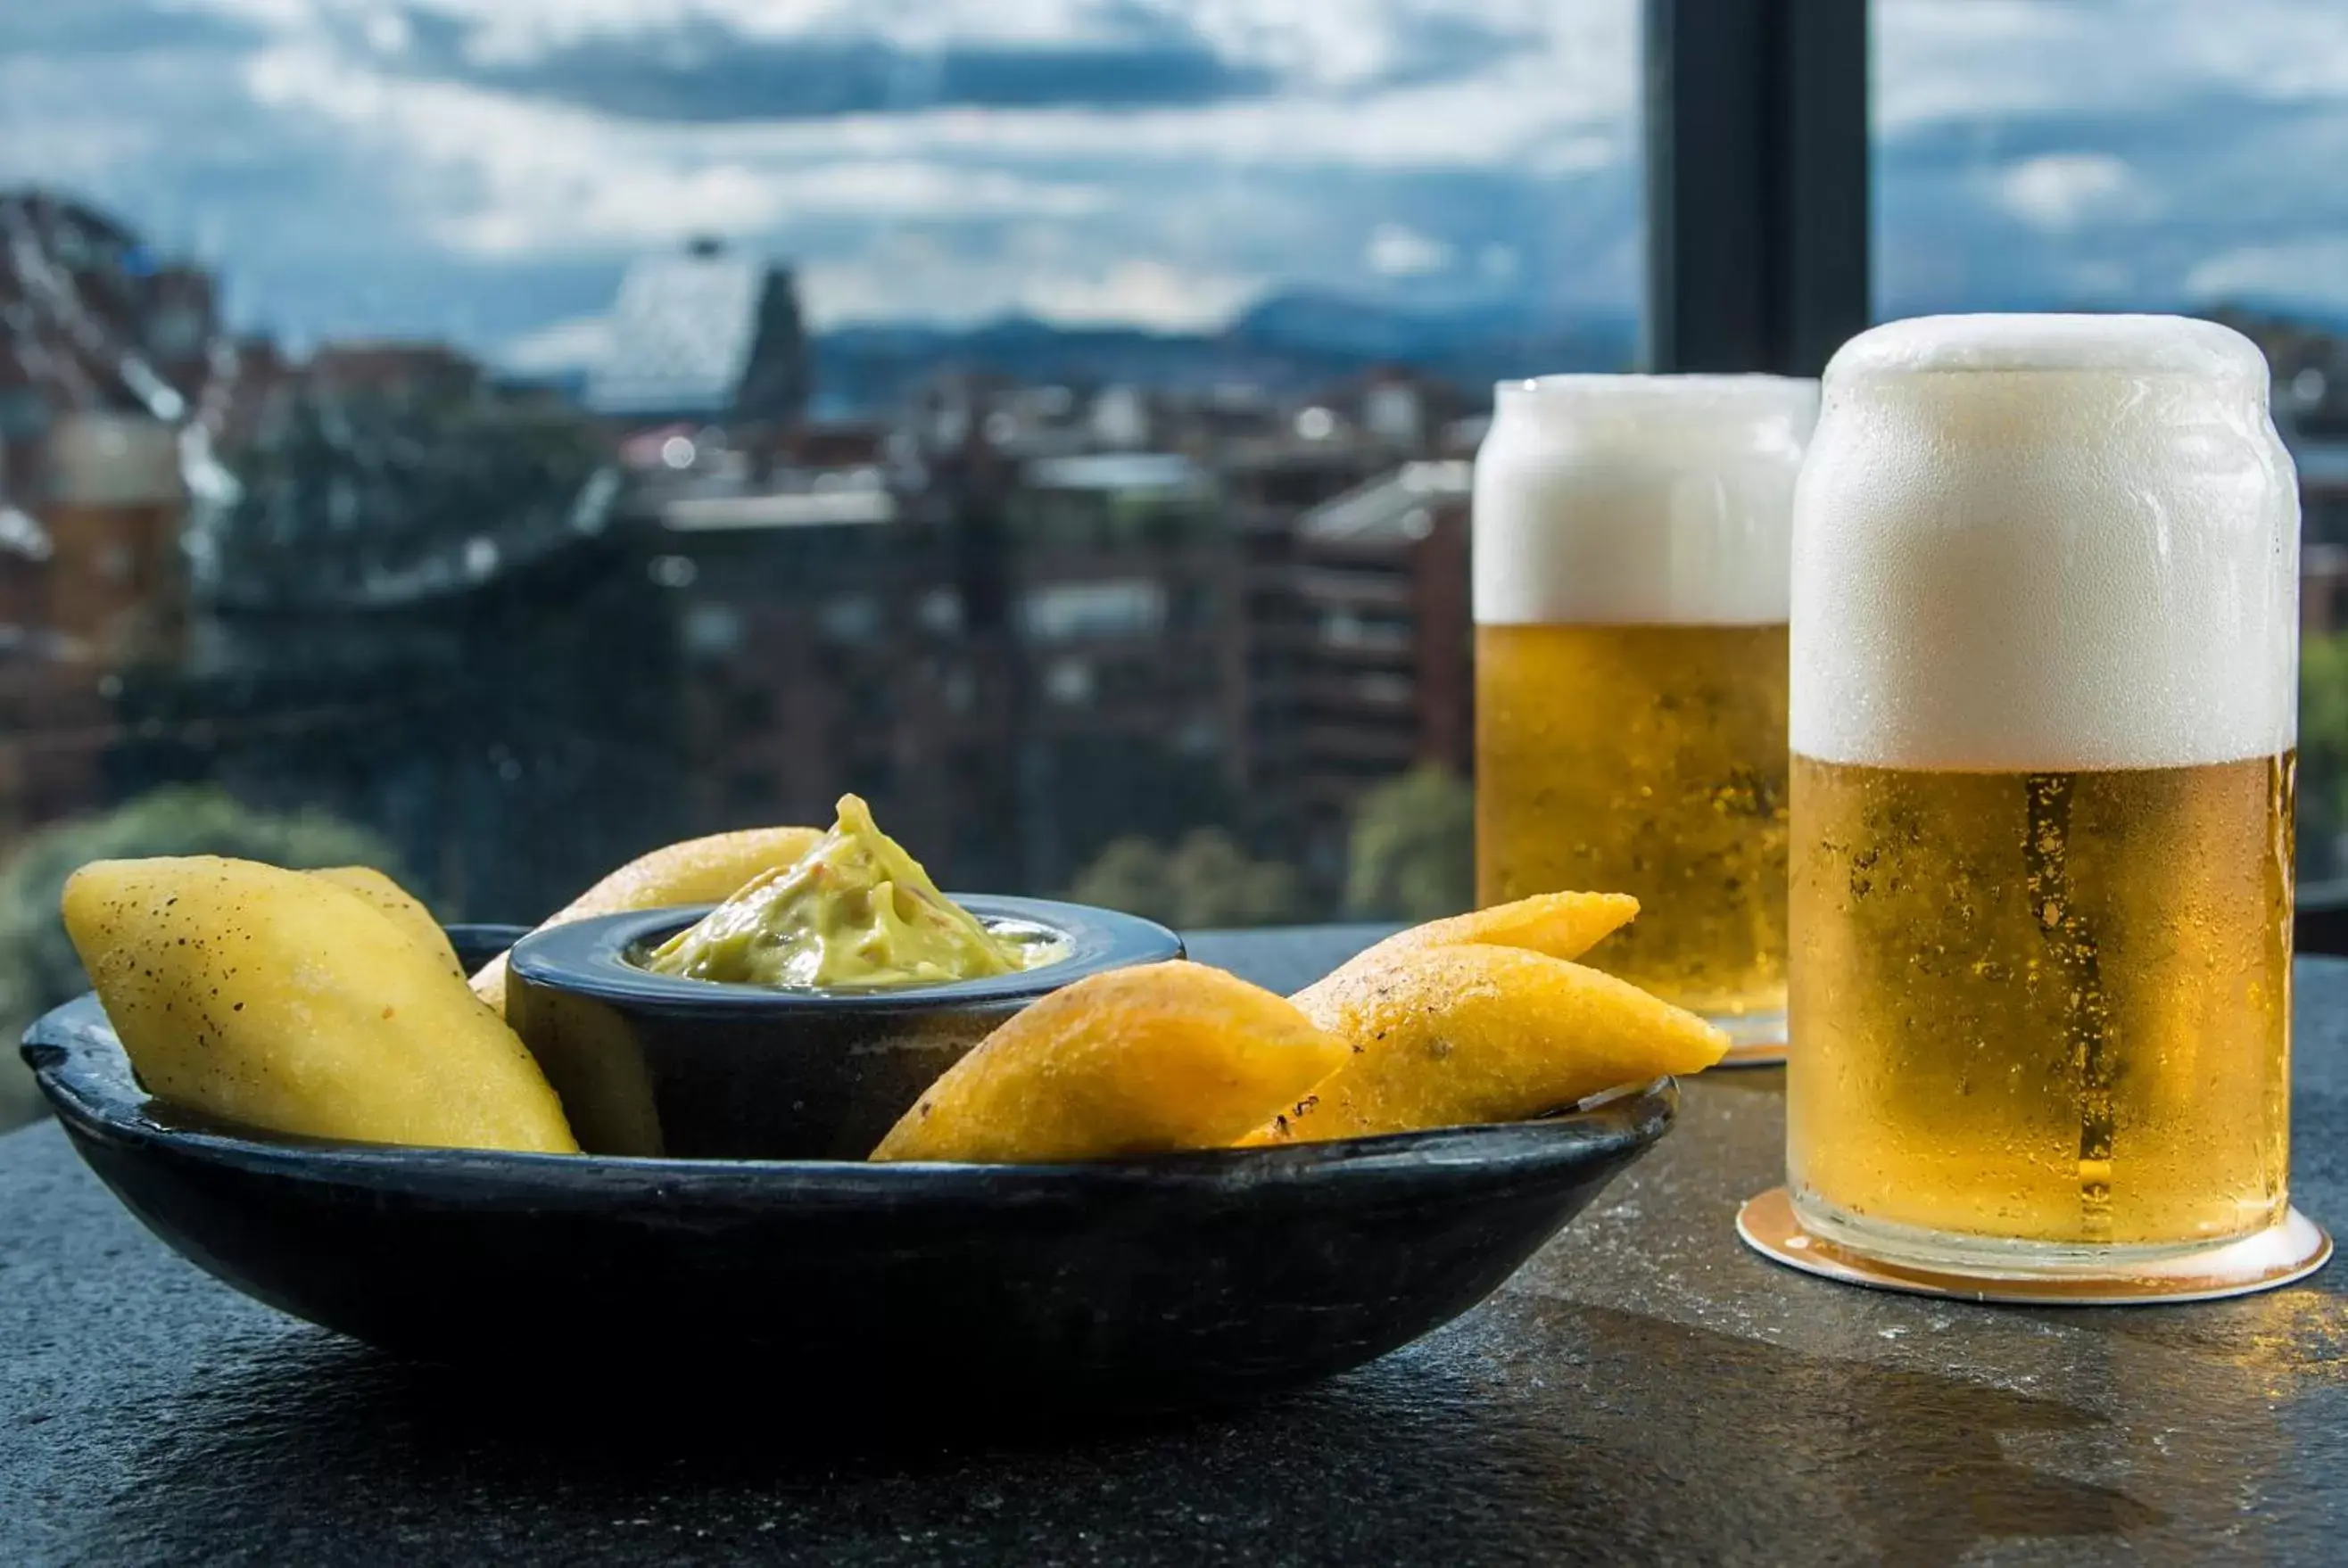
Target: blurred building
{"points": [[414, 608], [1361, 656], [376, 474], [705, 336], [1128, 599], [1015, 663], [391, 371], [1025, 614], [54, 720], [2309, 397], [1023, 636], [107, 352], [2322, 460], [112, 507], [512, 735], [368, 582], [103, 349], [93, 318]]}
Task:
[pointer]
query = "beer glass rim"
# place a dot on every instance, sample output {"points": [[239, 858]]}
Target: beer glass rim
{"points": [[2132, 344]]}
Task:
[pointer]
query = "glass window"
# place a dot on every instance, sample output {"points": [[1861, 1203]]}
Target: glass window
{"points": [[2146, 155], [438, 419]]}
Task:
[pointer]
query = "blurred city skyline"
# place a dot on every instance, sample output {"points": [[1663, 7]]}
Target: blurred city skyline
{"points": [[482, 173]]}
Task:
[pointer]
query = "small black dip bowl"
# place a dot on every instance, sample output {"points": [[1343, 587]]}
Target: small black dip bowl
{"points": [[653, 1064], [766, 1285]]}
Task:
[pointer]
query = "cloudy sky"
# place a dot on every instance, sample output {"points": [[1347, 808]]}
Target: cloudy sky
{"points": [[482, 170]]}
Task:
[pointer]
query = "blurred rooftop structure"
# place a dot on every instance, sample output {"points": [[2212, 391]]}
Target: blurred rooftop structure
{"points": [[1122, 472], [705, 335], [93, 320], [1394, 506], [839, 507]]}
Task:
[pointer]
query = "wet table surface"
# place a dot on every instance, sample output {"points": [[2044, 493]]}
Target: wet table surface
{"points": [[1644, 1389]]}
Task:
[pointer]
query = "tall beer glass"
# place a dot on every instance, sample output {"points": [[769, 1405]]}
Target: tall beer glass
{"points": [[2045, 686], [1630, 580]]}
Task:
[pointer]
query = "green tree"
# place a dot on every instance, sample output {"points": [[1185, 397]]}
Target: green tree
{"points": [[38, 967], [1208, 879], [1413, 850], [2322, 751]]}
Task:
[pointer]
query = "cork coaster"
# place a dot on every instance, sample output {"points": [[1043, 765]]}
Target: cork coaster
{"points": [[2291, 1251]]}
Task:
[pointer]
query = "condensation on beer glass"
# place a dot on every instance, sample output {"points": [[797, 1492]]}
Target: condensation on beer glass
{"points": [[1631, 578], [2043, 723]]}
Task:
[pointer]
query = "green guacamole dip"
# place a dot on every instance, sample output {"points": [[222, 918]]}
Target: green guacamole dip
{"points": [[855, 911]]}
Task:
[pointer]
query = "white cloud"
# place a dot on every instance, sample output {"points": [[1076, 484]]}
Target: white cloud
{"points": [[1173, 217], [497, 176], [1328, 44], [2029, 153], [916, 279], [69, 150], [511, 31], [386, 32], [1397, 250], [1146, 294], [1976, 62], [282, 16], [2311, 271], [2059, 192], [1347, 43], [2108, 152], [1563, 114], [575, 343]]}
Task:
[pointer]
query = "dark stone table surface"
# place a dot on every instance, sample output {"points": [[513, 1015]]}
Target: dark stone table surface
{"points": [[1644, 1391]]}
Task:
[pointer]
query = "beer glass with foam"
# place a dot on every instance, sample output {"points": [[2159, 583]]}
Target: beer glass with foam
{"points": [[1631, 580], [2044, 719]]}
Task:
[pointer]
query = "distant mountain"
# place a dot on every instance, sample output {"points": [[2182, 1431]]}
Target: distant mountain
{"points": [[1342, 324], [1474, 346], [1287, 344], [866, 367]]}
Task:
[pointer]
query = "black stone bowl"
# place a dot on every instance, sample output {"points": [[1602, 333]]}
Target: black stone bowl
{"points": [[654, 1065], [1129, 1285]]}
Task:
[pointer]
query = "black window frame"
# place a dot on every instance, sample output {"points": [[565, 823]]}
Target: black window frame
{"points": [[1758, 238]]}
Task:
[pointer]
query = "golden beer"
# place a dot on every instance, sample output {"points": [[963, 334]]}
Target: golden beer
{"points": [[2044, 722], [2053, 1004], [1647, 759], [1632, 537]]}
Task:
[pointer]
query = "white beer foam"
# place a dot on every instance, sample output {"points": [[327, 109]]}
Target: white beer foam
{"points": [[1639, 499], [2046, 542]]}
